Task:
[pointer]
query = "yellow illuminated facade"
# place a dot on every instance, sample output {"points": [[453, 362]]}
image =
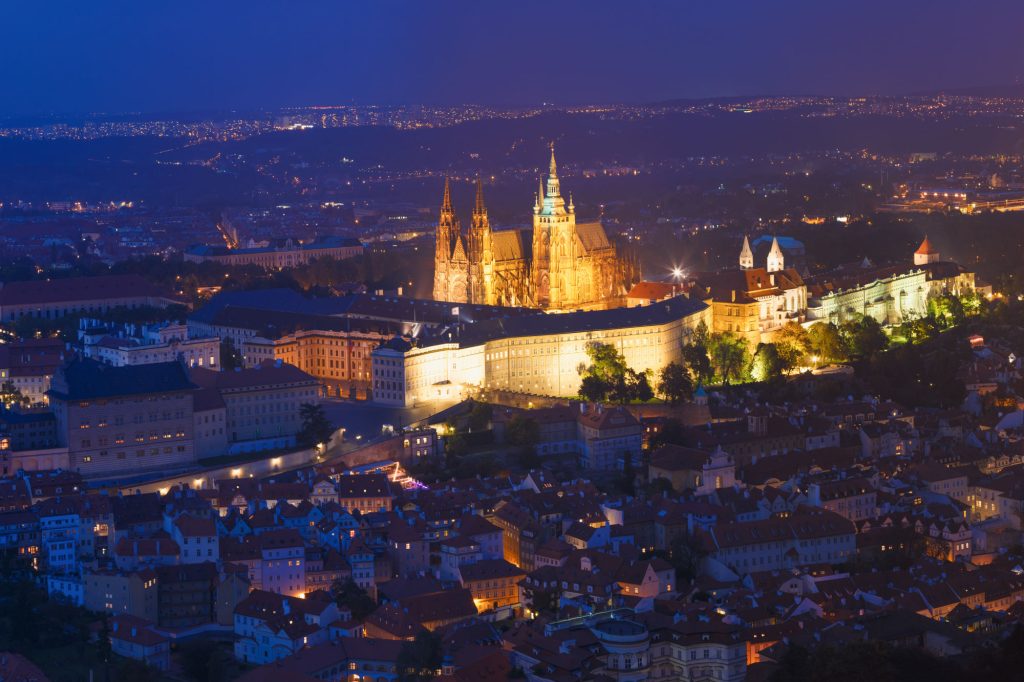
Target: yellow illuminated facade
{"points": [[565, 266]]}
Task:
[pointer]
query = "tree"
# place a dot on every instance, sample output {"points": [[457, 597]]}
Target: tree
{"points": [[203, 660], [701, 335], [316, 428], [729, 356], [947, 309], [685, 554], [636, 387], [522, 432], [674, 383], [605, 373], [420, 659], [11, 395], [670, 433], [230, 357], [695, 356], [660, 486], [826, 343], [348, 594], [793, 344], [767, 363], [594, 389], [480, 416], [864, 337], [607, 377]]}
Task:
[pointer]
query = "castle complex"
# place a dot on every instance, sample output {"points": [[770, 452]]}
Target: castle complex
{"points": [[561, 265]]}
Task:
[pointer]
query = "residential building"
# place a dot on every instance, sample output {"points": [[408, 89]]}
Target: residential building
{"points": [[262, 403]]}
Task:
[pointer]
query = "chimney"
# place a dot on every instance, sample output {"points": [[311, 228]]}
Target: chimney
{"points": [[733, 295]]}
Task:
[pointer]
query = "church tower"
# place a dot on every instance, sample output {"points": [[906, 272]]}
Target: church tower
{"points": [[450, 261], [746, 255], [926, 253], [481, 252], [446, 224], [776, 261], [554, 245]]}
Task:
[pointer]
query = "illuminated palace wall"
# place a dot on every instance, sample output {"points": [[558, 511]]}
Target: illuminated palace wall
{"points": [[539, 355]]}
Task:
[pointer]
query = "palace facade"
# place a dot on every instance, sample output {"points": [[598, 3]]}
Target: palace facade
{"points": [[538, 354], [559, 265]]}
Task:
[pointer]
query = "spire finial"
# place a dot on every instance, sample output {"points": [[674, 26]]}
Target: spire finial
{"points": [[446, 202], [572, 207], [553, 168], [540, 187], [480, 208]]}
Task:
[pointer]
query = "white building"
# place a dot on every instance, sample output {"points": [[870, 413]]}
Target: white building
{"points": [[537, 354], [151, 344]]}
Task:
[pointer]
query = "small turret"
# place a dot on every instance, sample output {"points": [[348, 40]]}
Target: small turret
{"points": [[926, 253]]}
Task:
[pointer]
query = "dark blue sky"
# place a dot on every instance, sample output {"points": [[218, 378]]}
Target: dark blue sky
{"points": [[177, 55]]}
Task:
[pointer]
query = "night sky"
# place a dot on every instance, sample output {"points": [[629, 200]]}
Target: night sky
{"points": [[184, 55]]}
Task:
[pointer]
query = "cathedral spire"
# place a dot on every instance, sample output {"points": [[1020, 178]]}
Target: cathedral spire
{"points": [[446, 202], [479, 207], [552, 191]]}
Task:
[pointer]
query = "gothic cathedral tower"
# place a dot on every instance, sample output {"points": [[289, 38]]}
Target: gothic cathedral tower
{"points": [[451, 264], [481, 253], [554, 245]]}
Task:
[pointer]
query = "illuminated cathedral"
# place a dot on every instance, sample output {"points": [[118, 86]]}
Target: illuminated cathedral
{"points": [[559, 265]]}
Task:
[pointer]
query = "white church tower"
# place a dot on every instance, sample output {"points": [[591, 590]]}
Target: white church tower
{"points": [[776, 261], [746, 255]]}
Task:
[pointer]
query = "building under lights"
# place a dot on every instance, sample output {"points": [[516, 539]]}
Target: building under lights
{"points": [[537, 354], [559, 265]]}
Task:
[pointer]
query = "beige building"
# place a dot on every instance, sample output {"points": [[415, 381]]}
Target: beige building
{"points": [[124, 420], [262, 403], [537, 354], [339, 358]]}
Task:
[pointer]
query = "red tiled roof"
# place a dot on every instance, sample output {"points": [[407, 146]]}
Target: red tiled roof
{"points": [[652, 291]]}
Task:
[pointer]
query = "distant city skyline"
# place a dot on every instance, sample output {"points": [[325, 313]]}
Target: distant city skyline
{"points": [[68, 57]]}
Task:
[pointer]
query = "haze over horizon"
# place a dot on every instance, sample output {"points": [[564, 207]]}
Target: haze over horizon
{"points": [[65, 57]]}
